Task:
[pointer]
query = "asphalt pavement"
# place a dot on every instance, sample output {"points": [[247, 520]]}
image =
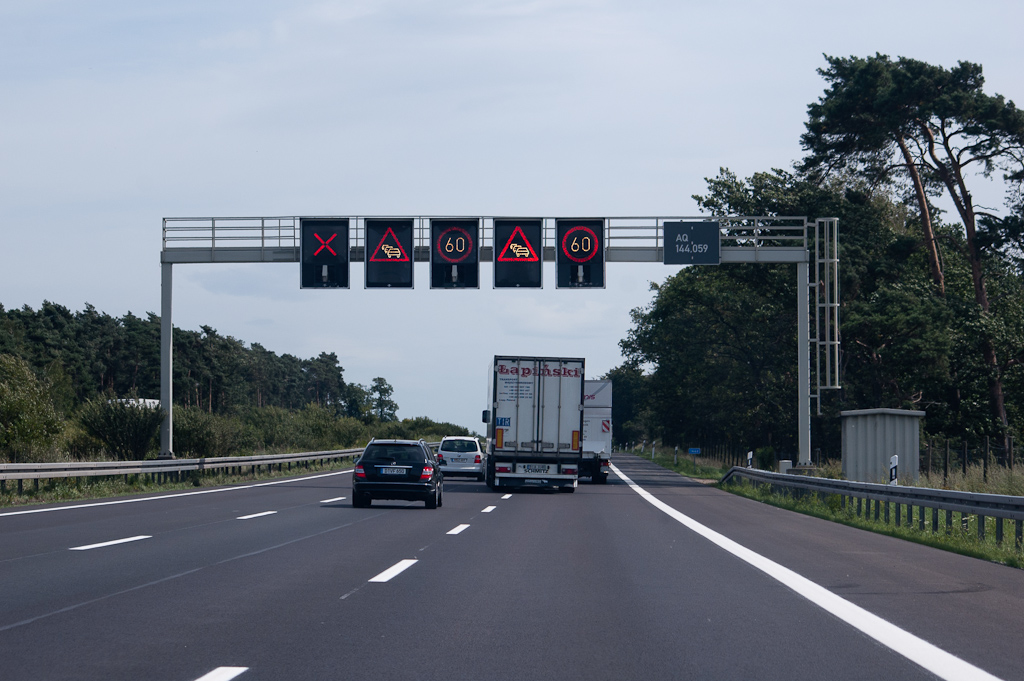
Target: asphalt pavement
{"points": [[664, 578]]}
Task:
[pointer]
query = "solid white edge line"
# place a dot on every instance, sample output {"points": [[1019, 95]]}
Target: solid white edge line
{"points": [[110, 543], [936, 660], [171, 496], [223, 674], [457, 529], [327, 501], [395, 570], [255, 515], [488, 509], [507, 496]]}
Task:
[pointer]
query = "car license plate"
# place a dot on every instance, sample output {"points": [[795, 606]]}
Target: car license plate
{"points": [[392, 471], [459, 459], [535, 468]]}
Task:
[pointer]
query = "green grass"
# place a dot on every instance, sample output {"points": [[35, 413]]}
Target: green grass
{"points": [[705, 469], [961, 538], [75, 489]]}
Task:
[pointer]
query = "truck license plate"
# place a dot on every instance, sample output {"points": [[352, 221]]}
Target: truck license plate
{"points": [[534, 468]]}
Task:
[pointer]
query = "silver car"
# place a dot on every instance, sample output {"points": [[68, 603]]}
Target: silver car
{"points": [[461, 455]]}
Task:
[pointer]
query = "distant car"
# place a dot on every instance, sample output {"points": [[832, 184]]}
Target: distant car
{"points": [[461, 455], [397, 469]]}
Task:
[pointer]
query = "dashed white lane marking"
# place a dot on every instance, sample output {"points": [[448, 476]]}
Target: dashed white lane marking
{"points": [[488, 509], [457, 529], [256, 515], [507, 496], [934, 659], [395, 570], [328, 501], [223, 674], [171, 496], [110, 543]]}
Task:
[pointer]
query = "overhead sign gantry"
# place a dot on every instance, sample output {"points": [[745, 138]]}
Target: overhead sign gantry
{"points": [[517, 248]]}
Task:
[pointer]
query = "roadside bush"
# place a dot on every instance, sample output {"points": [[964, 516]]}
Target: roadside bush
{"points": [[194, 434], [27, 417], [79, 444], [764, 458], [127, 429], [272, 427]]}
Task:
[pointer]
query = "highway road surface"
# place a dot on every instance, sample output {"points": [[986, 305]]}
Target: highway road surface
{"points": [[652, 576]]}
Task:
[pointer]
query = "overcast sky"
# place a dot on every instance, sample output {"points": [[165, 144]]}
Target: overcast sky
{"points": [[117, 113]]}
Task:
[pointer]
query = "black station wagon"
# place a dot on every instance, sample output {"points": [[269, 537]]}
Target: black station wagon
{"points": [[397, 469]]}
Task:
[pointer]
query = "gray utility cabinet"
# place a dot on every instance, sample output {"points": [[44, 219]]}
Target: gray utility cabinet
{"points": [[871, 436]]}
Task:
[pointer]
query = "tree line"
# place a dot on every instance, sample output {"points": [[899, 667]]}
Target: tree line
{"points": [[932, 310], [62, 374]]}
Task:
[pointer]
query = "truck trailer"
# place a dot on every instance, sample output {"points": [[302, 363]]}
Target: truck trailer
{"points": [[597, 430], [534, 422]]}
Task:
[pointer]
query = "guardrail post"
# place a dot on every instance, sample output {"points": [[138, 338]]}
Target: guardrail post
{"points": [[999, 530], [858, 506], [981, 528], [921, 513], [984, 466], [949, 522], [898, 523], [887, 512], [935, 520], [945, 465], [1019, 534]]}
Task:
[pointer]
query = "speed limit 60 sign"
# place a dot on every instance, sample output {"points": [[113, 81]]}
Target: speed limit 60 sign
{"points": [[454, 254], [579, 253]]}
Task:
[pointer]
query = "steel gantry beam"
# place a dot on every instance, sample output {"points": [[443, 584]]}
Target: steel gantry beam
{"points": [[743, 239]]}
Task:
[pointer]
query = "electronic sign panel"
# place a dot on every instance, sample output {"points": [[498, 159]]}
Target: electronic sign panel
{"points": [[579, 253], [692, 243], [518, 253], [388, 255], [323, 253], [454, 253]]}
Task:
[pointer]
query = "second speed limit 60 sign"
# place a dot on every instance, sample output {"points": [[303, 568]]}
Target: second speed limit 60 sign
{"points": [[454, 254], [579, 253]]}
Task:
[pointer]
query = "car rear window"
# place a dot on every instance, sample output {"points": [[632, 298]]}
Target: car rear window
{"points": [[459, 446], [393, 453]]}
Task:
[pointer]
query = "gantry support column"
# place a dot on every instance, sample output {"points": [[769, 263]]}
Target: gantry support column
{"points": [[166, 370]]}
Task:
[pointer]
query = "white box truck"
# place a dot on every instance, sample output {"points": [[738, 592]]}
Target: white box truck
{"points": [[597, 430], [534, 422]]}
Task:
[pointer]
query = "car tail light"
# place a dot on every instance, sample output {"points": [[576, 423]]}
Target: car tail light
{"points": [[503, 469], [477, 459], [360, 473], [428, 472]]}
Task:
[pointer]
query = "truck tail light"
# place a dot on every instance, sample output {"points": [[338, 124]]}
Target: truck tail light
{"points": [[502, 469], [477, 459], [569, 470], [606, 463], [428, 472], [360, 473]]}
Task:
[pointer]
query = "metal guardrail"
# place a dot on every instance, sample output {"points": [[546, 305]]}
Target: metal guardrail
{"points": [[998, 506], [80, 469]]}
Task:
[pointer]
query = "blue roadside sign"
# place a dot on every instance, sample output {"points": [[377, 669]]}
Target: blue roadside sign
{"points": [[694, 450]]}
